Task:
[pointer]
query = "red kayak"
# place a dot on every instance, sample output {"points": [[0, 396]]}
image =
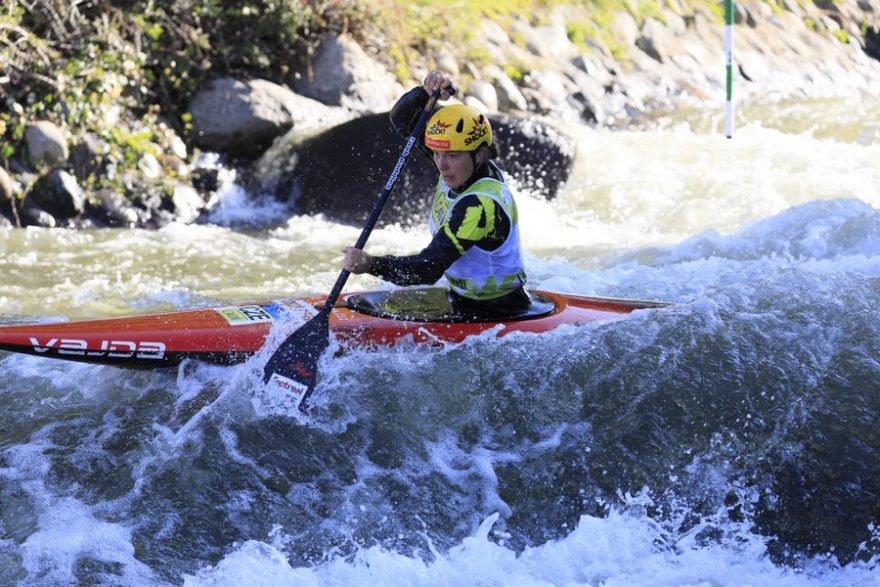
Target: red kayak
{"points": [[231, 334]]}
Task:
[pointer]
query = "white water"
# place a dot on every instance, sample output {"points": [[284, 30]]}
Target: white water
{"points": [[617, 551], [675, 212]]}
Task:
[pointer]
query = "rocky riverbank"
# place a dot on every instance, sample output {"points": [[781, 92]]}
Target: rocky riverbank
{"points": [[550, 72]]}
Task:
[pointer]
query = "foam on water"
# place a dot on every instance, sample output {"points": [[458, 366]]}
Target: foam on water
{"points": [[671, 448], [619, 550]]}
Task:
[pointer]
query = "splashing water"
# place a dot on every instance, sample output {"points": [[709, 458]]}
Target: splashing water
{"points": [[729, 439]]}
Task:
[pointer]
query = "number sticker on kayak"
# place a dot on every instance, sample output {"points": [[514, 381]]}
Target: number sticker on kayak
{"points": [[243, 315]]}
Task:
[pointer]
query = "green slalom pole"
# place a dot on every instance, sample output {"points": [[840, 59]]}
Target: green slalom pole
{"points": [[728, 50]]}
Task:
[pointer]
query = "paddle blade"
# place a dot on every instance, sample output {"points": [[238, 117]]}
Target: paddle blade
{"points": [[293, 368]]}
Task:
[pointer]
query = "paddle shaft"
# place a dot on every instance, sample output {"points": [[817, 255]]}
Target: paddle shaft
{"points": [[383, 197]]}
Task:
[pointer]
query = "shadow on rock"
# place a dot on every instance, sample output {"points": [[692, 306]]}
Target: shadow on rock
{"points": [[340, 172]]}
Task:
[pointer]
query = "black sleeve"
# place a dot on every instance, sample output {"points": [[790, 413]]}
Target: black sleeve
{"points": [[424, 268], [405, 113]]}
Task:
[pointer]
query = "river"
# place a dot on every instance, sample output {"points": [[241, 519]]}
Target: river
{"points": [[730, 439]]}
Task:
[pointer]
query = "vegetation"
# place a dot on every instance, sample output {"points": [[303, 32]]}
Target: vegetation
{"points": [[123, 70]]}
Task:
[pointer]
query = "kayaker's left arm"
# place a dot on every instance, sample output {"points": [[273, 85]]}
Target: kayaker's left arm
{"points": [[409, 106]]}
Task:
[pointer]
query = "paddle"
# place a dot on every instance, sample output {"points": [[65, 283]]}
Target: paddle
{"points": [[293, 366]]}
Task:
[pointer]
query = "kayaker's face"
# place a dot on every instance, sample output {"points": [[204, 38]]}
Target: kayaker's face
{"points": [[456, 167]]}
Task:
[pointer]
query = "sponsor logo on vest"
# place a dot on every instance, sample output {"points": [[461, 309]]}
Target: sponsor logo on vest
{"points": [[116, 349]]}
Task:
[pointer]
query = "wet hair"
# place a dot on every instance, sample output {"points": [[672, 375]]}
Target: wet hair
{"points": [[494, 150]]}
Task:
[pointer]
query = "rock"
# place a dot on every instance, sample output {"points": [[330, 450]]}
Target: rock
{"points": [[46, 143], [178, 147], [445, 61], [655, 40], [510, 98], [188, 204], [475, 103], [173, 165], [88, 156], [745, 15], [676, 24], [206, 179], [485, 92], [549, 92], [872, 42], [112, 209], [149, 166], [493, 33], [597, 65], [7, 198], [7, 187], [547, 42], [587, 96], [243, 118], [153, 209], [33, 216], [624, 30], [342, 74], [680, 60], [537, 156], [58, 194]]}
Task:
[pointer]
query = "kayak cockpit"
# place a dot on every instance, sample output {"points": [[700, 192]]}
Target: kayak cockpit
{"points": [[431, 304]]}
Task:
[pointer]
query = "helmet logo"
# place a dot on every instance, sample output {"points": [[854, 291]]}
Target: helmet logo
{"points": [[438, 128], [457, 128], [477, 132], [437, 144]]}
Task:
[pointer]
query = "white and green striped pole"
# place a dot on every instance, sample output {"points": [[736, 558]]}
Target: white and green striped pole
{"points": [[728, 49]]}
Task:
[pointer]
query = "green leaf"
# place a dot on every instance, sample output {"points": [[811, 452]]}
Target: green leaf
{"points": [[155, 31]]}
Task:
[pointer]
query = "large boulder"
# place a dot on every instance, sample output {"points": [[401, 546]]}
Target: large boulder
{"points": [[243, 118], [340, 172], [342, 74]]}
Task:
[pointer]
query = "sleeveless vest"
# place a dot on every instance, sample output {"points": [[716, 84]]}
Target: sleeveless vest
{"points": [[480, 274]]}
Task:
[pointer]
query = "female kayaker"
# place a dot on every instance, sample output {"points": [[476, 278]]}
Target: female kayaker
{"points": [[473, 218]]}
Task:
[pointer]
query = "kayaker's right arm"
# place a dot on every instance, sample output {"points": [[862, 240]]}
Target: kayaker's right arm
{"points": [[423, 268], [455, 237]]}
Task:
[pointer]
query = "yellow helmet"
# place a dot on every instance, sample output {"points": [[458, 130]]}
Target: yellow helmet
{"points": [[457, 128]]}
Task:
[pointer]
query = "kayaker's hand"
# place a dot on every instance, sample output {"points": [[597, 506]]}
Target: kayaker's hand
{"points": [[437, 80], [356, 260]]}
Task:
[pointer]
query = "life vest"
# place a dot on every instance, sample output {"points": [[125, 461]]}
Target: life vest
{"points": [[481, 274]]}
